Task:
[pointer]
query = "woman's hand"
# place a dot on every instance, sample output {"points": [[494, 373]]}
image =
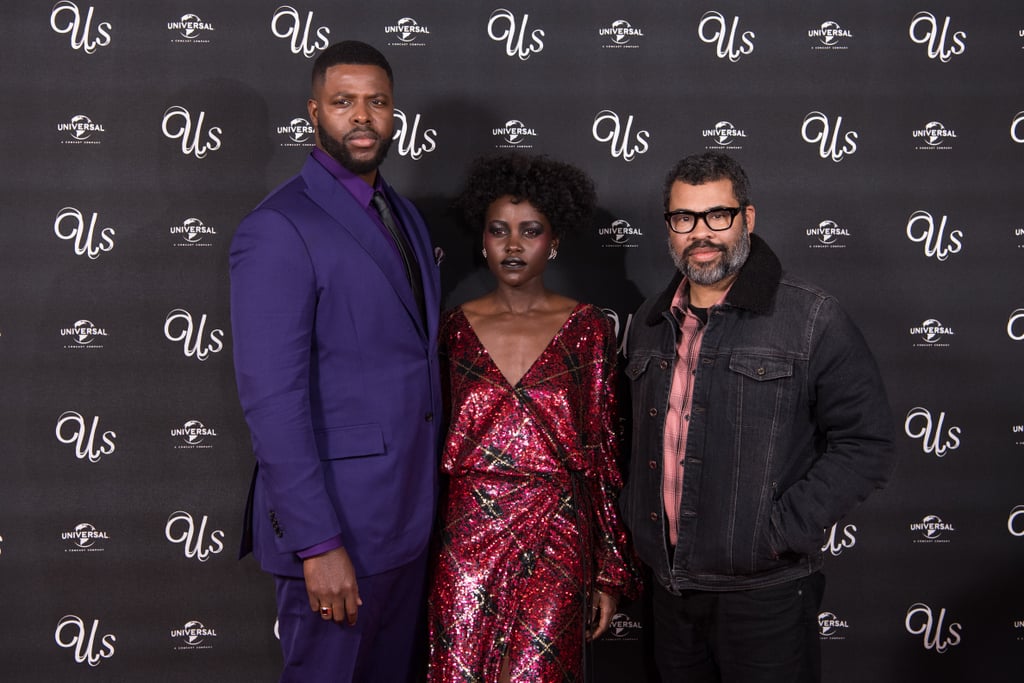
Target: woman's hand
{"points": [[602, 609]]}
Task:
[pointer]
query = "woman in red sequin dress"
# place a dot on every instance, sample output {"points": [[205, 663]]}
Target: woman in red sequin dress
{"points": [[532, 555]]}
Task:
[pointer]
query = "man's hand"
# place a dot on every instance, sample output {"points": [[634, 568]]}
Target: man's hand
{"points": [[331, 583]]}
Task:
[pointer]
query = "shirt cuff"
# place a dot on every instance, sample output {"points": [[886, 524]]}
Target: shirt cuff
{"points": [[320, 548]]}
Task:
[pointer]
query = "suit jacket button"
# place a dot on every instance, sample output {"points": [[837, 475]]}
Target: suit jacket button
{"points": [[429, 417]]}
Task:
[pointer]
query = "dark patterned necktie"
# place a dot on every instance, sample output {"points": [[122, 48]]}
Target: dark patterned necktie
{"points": [[412, 267]]}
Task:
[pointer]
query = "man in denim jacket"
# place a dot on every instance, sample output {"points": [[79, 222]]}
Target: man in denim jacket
{"points": [[759, 420]]}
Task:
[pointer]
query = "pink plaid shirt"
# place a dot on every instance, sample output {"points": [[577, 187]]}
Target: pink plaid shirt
{"points": [[680, 400]]}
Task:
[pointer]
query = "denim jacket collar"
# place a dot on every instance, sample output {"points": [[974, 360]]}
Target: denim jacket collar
{"points": [[754, 289]]}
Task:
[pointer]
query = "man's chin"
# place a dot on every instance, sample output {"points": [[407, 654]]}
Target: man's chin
{"points": [[364, 162], [706, 274]]}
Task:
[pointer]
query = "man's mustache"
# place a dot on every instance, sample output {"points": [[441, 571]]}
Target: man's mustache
{"points": [[702, 244]]}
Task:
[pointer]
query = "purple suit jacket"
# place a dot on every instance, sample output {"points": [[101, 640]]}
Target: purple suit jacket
{"points": [[337, 377]]}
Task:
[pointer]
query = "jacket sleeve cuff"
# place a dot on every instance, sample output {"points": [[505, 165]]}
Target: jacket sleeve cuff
{"points": [[320, 548]]}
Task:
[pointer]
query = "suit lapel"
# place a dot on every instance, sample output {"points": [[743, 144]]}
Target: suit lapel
{"points": [[324, 190]]}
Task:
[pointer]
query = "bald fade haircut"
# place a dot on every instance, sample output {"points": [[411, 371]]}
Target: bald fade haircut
{"points": [[349, 52]]}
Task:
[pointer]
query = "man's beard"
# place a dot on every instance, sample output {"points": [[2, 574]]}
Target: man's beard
{"points": [[713, 272], [339, 150]]}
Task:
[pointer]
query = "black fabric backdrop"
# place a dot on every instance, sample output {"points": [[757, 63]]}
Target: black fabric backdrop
{"points": [[885, 143]]}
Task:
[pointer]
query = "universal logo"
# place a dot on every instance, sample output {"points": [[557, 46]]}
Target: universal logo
{"points": [[304, 39], [833, 143], [178, 124], [724, 135], [831, 627], [413, 143], [622, 141], [514, 133], [89, 441], [1018, 430], [619, 234], [921, 228], [193, 434], [85, 538], [81, 130], [520, 41], [180, 326], [1018, 625], [729, 42], [409, 33], [831, 36], [67, 19], [935, 136], [940, 42], [181, 528], [935, 634], [297, 133], [83, 335], [190, 29], [828, 235], [192, 233], [193, 636], [70, 225], [90, 648], [931, 527], [931, 332], [935, 437], [620, 34], [1019, 233], [625, 628], [840, 539]]}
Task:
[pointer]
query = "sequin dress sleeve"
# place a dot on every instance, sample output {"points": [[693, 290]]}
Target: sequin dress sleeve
{"points": [[616, 564]]}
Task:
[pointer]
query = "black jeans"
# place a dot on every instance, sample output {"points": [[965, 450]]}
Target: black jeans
{"points": [[764, 635]]}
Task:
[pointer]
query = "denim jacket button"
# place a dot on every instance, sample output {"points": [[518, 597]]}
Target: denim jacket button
{"points": [[653, 464], [663, 364], [653, 412], [654, 516]]}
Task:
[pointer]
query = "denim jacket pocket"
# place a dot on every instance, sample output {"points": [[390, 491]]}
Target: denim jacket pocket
{"points": [[760, 368]]}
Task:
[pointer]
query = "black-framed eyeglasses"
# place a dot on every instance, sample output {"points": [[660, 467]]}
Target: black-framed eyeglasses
{"points": [[718, 218]]}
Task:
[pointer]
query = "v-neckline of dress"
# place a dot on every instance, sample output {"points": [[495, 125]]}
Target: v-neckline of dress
{"points": [[544, 352]]}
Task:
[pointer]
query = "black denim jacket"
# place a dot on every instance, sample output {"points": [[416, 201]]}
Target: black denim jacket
{"points": [[790, 428]]}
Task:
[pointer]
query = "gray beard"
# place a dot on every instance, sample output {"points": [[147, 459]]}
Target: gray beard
{"points": [[707, 274]]}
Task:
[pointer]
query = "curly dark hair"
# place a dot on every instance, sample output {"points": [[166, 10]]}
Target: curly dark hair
{"points": [[560, 191]]}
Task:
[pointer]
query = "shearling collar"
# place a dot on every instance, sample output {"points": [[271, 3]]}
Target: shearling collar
{"points": [[754, 289]]}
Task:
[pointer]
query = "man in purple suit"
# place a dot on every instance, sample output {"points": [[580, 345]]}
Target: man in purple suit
{"points": [[334, 309]]}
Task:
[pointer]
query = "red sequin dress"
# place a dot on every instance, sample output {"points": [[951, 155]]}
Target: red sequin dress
{"points": [[530, 524]]}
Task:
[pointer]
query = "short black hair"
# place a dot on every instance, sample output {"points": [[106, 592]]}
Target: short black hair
{"points": [[698, 169], [350, 52], [562, 192]]}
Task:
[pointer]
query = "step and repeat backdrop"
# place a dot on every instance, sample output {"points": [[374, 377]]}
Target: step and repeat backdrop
{"points": [[885, 144]]}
